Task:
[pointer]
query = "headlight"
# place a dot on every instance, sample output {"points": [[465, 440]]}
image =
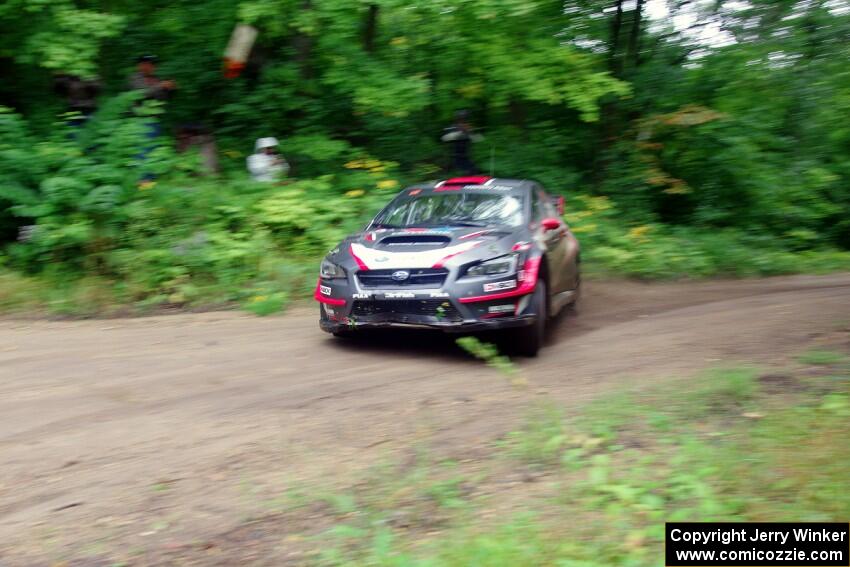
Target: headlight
{"points": [[329, 271], [496, 266]]}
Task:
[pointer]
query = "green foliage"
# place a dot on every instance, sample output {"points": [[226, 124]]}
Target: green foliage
{"points": [[677, 159], [267, 304], [181, 239], [487, 352], [56, 35], [613, 244]]}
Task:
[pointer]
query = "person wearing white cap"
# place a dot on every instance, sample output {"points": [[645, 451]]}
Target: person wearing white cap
{"points": [[265, 164]]}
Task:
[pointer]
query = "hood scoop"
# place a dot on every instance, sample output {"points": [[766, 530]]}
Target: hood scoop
{"points": [[414, 242]]}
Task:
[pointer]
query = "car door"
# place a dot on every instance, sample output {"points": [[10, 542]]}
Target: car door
{"points": [[554, 239]]}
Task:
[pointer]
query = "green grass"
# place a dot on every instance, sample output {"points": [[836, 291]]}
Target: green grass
{"points": [[821, 357], [542, 438], [722, 390], [713, 448], [19, 293]]}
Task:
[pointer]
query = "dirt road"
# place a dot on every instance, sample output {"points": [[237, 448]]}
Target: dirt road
{"points": [[152, 432]]}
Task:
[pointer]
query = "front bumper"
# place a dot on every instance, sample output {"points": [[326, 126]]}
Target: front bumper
{"points": [[426, 309], [471, 325]]}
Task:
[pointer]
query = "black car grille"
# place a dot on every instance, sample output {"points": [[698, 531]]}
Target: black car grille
{"points": [[422, 277], [442, 309]]}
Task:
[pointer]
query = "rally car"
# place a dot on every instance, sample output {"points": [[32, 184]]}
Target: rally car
{"points": [[466, 254]]}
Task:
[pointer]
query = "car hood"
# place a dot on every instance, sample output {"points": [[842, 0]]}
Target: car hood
{"points": [[436, 247]]}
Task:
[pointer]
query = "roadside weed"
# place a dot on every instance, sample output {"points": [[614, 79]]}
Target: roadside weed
{"points": [[489, 353], [720, 391], [542, 437], [266, 303], [821, 357]]}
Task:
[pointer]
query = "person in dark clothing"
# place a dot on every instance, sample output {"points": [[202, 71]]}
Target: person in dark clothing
{"points": [[146, 80], [461, 137], [80, 94]]}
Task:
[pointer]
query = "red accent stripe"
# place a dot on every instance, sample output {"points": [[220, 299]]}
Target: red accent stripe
{"points": [[360, 263], [495, 296], [443, 260], [471, 234], [317, 295], [531, 268]]}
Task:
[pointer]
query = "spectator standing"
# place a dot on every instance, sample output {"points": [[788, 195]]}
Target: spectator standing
{"points": [[461, 135], [80, 95], [266, 165], [146, 80]]}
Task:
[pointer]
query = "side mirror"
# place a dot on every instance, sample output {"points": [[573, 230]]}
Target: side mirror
{"points": [[559, 203], [550, 224]]}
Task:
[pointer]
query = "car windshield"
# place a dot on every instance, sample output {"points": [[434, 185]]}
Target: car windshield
{"points": [[453, 209]]}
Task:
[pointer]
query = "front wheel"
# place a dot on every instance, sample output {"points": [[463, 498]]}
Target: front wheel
{"points": [[529, 340]]}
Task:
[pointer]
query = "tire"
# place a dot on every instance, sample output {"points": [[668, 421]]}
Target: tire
{"points": [[573, 305], [529, 340]]}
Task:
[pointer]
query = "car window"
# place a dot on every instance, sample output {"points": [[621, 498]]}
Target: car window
{"points": [[454, 208], [549, 209], [535, 206], [543, 208]]}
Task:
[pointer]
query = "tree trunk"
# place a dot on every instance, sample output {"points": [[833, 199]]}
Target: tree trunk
{"points": [[303, 45], [614, 43], [633, 52], [370, 29], [517, 112]]}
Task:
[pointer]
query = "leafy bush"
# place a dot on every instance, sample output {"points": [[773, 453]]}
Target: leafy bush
{"points": [[179, 238], [656, 250], [714, 159]]}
